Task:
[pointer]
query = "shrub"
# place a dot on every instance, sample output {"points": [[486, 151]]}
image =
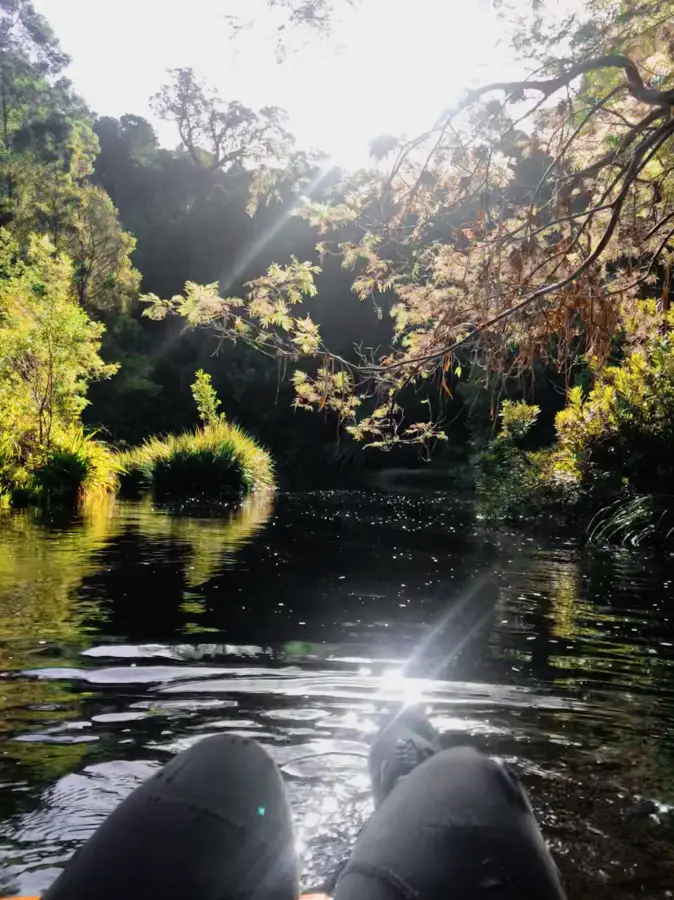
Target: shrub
{"points": [[517, 420], [206, 398], [624, 429], [513, 483], [218, 461], [614, 454], [49, 347], [49, 352], [76, 468]]}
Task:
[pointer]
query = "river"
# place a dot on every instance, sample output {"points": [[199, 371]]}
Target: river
{"points": [[129, 633]]}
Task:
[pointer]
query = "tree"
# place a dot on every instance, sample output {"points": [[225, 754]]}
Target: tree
{"points": [[29, 55], [524, 224], [47, 148], [316, 15], [220, 135], [46, 142], [47, 151], [49, 347], [103, 275]]}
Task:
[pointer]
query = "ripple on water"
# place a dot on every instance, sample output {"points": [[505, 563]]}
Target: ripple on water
{"points": [[298, 634]]}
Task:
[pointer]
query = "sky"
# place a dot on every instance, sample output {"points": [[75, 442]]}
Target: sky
{"points": [[390, 67]]}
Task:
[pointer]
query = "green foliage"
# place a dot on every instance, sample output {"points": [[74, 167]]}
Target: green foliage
{"points": [[515, 483], [47, 151], [217, 461], [42, 191], [624, 428], [49, 347], [46, 140], [206, 399], [75, 468], [517, 419], [614, 454], [103, 275]]}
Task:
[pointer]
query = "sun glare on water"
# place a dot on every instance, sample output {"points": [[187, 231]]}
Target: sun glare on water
{"points": [[394, 685]]}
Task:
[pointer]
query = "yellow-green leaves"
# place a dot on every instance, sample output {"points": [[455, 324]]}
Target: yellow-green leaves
{"points": [[265, 313], [49, 348], [517, 418], [199, 305], [306, 337], [328, 389], [325, 216], [206, 398]]}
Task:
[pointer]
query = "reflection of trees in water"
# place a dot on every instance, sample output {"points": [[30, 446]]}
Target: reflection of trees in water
{"points": [[45, 619], [586, 625], [567, 607], [211, 541], [607, 642], [157, 589], [566, 615], [42, 567], [612, 646], [40, 570]]}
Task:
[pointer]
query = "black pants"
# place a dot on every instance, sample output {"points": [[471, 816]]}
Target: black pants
{"points": [[215, 824]]}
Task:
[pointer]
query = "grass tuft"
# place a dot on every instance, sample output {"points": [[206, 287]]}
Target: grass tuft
{"points": [[218, 461], [636, 521], [77, 468]]}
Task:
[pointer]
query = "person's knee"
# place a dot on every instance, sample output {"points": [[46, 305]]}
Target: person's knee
{"points": [[463, 770], [441, 822], [216, 757], [462, 787], [229, 776]]}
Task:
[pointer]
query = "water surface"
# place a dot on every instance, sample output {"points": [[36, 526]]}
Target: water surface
{"points": [[130, 633]]}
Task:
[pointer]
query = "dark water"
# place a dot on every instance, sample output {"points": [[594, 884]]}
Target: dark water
{"points": [[129, 634]]}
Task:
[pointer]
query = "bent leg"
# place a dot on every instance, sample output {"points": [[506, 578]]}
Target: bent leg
{"points": [[213, 824], [459, 825]]}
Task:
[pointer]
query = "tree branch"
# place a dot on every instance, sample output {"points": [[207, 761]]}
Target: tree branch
{"points": [[652, 143], [550, 86]]}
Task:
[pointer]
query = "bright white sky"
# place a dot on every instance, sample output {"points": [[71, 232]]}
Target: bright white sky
{"points": [[390, 67]]}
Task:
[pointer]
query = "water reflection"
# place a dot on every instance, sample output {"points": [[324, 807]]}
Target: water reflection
{"points": [[48, 617], [212, 542], [44, 562], [130, 634], [40, 569]]}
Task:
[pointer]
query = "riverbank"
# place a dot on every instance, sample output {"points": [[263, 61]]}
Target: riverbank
{"points": [[218, 461]]}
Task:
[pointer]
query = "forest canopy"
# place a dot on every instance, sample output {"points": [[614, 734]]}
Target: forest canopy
{"points": [[526, 223], [517, 248]]}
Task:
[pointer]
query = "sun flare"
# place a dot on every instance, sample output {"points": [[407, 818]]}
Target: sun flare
{"points": [[388, 67]]}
